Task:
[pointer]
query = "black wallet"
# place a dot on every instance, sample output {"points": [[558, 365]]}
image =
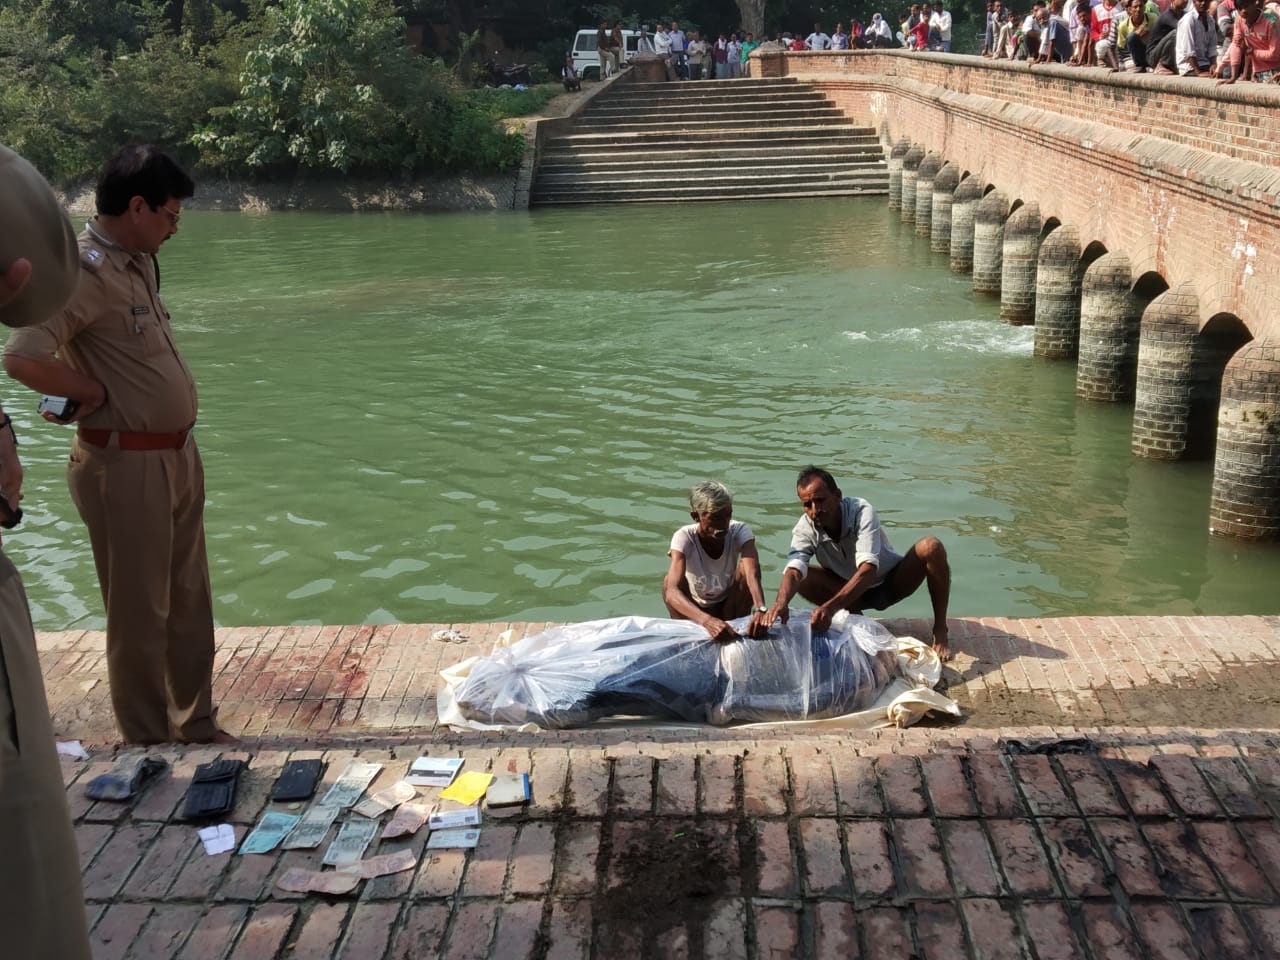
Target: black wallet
{"points": [[213, 789], [298, 780]]}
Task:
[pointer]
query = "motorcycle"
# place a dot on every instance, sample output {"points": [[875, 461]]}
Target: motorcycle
{"points": [[496, 75]]}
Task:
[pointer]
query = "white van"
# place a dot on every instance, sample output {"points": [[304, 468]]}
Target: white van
{"points": [[585, 58]]}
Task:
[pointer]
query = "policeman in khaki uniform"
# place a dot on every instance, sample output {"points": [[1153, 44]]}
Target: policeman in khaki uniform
{"points": [[135, 473], [41, 901]]}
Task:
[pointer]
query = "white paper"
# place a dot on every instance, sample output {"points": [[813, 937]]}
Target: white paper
{"points": [[453, 839], [72, 748], [433, 771], [447, 819], [218, 839]]}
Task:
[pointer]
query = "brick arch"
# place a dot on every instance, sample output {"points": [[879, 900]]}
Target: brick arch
{"points": [[1149, 285], [1091, 252], [1051, 224]]}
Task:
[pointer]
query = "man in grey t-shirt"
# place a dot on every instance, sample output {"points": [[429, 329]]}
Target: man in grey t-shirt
{"points": [[859, 568]]}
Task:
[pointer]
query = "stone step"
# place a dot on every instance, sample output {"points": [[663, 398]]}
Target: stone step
{"points": [[715, 111], [694, 122], [710, 137], [617, 102], [678, 87], [677, 183], [695, 162], [797, 191], [659, 171], [581, 160]]}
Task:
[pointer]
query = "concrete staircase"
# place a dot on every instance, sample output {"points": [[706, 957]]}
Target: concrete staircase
{"points": [[709, 140]]}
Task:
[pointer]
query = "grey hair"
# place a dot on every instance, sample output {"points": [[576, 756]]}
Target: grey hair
{"points": [[709, 496]]}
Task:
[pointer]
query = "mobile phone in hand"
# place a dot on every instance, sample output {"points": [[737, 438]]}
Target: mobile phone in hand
{"points": [[61, 407]]}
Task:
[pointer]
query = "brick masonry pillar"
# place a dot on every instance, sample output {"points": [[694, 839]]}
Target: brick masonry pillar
{"points": [[1109, 321], [1166, 373], [910, 168], [1018, 265], [988, 241], [929, 168], [1246, 466], [1059, 276], [894, 164], [944, 186], [964, 203]]}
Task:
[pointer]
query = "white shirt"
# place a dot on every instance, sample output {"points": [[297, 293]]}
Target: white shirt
{"points": [[942, 23], [881, 28], [710, 578], [818, 41], [661, 43], [1195, 42]]}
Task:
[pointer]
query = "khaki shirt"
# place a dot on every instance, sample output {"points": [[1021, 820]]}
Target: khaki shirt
{"points": [[116, 329]]}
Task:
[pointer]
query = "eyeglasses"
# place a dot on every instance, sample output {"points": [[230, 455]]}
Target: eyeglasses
{"points": [[174, 216]]}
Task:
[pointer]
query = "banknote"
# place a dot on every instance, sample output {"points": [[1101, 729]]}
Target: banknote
{"points": [[353, 782], [386, 799], [335, 882], [408, 819], [271, 829], [312, 828], [384, 864], [351, 842]]}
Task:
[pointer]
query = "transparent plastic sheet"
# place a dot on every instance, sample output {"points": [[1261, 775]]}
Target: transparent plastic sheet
{"points": [[671, 670]]}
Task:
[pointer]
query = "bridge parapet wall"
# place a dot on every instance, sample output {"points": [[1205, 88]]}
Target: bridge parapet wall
{"points": [[1178, 174]]}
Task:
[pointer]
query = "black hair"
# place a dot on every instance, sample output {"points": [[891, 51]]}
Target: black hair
{"points": [[141, 170], [811, 472]]}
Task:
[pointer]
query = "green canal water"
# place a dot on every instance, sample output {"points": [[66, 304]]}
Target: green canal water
{"points": [[456, 418]]}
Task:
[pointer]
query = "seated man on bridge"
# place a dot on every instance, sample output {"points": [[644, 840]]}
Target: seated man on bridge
{"points": [[715, 570], [859, 567]]}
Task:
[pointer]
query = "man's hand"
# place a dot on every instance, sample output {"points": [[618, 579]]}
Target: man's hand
{"points": [[821, 619], [757, 628], [779, 612], [13, 279], [720, 631], [85, 406]]}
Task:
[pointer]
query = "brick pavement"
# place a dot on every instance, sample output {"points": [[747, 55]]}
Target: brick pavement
{"points": [[937, 841]]}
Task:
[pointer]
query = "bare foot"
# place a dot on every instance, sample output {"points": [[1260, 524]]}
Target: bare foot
{"points": [[1163, 71], [941, 644]]}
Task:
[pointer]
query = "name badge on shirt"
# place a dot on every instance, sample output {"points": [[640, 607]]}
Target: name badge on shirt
{"points": [[141, 311]]}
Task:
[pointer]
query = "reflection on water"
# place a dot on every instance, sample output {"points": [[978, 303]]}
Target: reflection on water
{"points": [[495, 416]]}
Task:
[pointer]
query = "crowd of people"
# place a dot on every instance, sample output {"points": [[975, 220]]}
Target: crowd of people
{"points": [[1229, 40]]}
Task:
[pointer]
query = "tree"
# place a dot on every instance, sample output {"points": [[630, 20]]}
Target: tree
{"points": [[752, 12]]}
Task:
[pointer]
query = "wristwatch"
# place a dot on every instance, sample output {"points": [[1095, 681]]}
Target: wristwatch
{"points": [[761, 609]]}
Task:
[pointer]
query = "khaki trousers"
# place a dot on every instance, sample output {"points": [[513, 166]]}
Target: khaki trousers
{"points": [[145, 514], [41, 902]]}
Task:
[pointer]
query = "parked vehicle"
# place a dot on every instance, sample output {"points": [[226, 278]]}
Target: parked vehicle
{"points": [[496, 75], [585, 58]]}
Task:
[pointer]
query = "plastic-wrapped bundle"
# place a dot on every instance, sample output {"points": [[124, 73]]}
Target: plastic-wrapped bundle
{"points": [[671, 670]]}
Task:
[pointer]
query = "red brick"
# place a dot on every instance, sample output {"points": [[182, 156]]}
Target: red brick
{"points": [[997, 796], [517, 934], [1184, 871], [472, 929], [1218, 932], [422, 934], [577, 859], [117, 860], [587, 792], [1186, 786], [777, 932], [117, 929], [1049, 930], [569, 934], [265, 932], [920, 853], [824, 867], [1263, 840], [163, 862], [548, 778], [1264, 922], [677, 792], [1108, 932], [944, 776], [321, 931], [440, 873], [630, 841], [369, 931], [160, 799], [888, 933], [812, 785], [835, 930], [857, 789], [632, 786], [993, 931], [1237, 795], [764, 785], [1023, 858], [1090, 786], [775, 864], [870, 867], [717, 784], [1079, 865], [215, 932], [903, 786], [487, 870], [1134, 865], [166, 930], [1222, 847], [91, 838], [1044, 793], [1140, 786], [533, 860], [973, 865], [1160, 928], [939, 930], [397, 885], [726, 931]]}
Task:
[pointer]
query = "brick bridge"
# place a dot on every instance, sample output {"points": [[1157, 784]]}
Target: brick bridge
{"points": [[1133, 219]]}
